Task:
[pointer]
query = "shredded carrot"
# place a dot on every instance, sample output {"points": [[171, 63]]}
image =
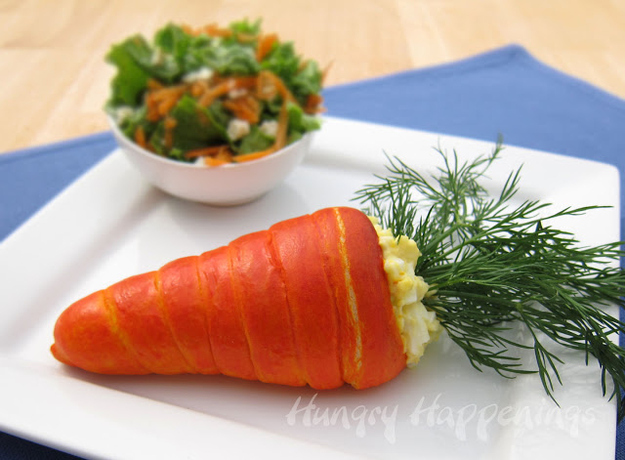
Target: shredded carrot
{"points": [[169, 125], [160, 101], [166, 105], [266, 89], [213, 93], [246, 82], [252, 103], [254, 155], [210, 161], [188, 29], [269, 84], [223, 156], [265, 43], [198, 88], [167, 92], [154, 84], [152, 108], [237, 109], [279, 143], [313, 104], [245, 38], [245, 107], [224, 87], [213, 30], [206, 151], [140, 137]]}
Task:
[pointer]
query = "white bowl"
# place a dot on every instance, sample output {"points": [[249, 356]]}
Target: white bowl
{"points": [[225, 185]]}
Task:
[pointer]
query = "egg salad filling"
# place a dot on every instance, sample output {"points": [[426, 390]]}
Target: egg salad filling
{"points": [[418, 326]]}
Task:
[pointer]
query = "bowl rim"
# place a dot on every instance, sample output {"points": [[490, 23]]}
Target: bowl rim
{"points": [[180, 164]]}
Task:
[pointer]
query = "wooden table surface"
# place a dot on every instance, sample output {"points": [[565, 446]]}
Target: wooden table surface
{"points": [[54, 80]]}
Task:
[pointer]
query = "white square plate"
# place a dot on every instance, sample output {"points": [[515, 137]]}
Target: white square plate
{"points": [[111, 224]]}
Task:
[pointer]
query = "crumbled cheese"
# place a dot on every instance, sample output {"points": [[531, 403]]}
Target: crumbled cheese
{"points": [[122, 113], [157, 56], [237, 92], [203, 73], [269, 127], [200, 161], [237, 129], [418, 326]]}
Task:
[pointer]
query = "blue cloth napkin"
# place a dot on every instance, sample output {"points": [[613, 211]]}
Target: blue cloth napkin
{"points": [[505, 91]]}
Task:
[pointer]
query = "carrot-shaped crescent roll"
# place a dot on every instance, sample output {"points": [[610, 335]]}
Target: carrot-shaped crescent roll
{"points": [[320, 300]]}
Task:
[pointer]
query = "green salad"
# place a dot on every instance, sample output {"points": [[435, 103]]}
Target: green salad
{"points": [[213, 95]]}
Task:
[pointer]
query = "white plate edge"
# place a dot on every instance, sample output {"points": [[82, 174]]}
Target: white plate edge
{"points": [[25, 231]]}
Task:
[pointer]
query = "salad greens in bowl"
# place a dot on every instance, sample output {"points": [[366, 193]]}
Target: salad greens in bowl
{"points": [[212, 98], [227, 185], [221, 94]]}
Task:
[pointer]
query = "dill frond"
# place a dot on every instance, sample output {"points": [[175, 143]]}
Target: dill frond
{"points": [[491, 264]]}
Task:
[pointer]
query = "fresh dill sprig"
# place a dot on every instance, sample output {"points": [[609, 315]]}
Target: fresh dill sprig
{"points": [[491, 264]]}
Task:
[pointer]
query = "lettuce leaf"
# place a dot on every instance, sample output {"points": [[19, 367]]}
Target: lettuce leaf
{"points": [[282, 61], [174, 40], [131, 79], [256, 140], [173, 45], [137, 61], [197, 126], [302, 80], [228, 59], [245, 28], [138, 118], [225, 56], [173, 53], [308, 80], [300, 123]]}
